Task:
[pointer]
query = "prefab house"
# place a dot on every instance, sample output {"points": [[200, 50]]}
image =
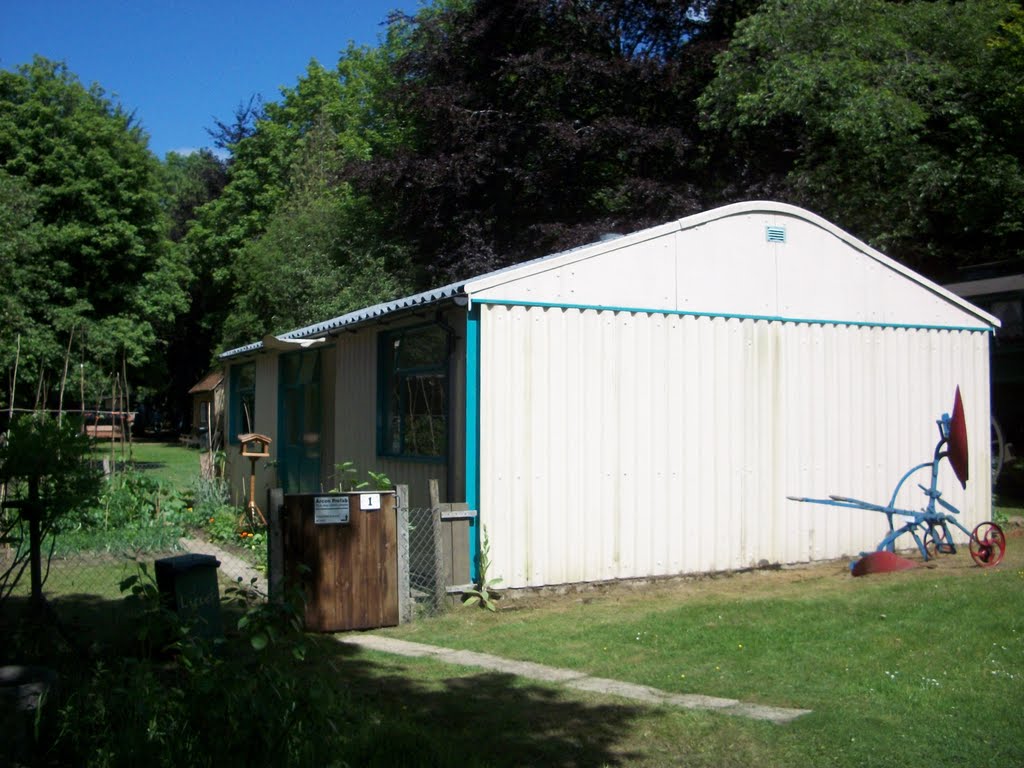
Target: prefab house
{"points": [[641, 406]]}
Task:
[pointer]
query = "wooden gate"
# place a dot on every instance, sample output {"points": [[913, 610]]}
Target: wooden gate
{"points": [[341, 551]]}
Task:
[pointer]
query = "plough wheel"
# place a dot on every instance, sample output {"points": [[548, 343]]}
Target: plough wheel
{"points": [[935, 543], [988, 544]]}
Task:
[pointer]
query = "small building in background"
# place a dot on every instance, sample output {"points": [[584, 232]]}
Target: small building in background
{"points": [[640, 406], [208, 412]]}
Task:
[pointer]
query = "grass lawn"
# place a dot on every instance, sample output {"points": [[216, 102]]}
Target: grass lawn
{"points": [[925, 665], [170, 463], [920, 667]]}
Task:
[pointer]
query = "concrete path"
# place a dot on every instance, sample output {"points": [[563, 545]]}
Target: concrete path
{"points": [[573, 679], [230, 566]]}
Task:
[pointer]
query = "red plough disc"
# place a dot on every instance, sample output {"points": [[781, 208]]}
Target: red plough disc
{"points": [[881, 562], [957, 445]]}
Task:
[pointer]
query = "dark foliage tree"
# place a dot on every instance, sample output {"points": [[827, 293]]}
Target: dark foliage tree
{"points": [[226, 136], [189, 182], [539, 125]]}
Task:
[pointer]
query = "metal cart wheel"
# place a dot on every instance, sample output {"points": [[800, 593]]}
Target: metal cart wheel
{"points": [[988, 544]]}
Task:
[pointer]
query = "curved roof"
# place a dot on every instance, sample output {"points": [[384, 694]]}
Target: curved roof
{"points": [[486, 284]]}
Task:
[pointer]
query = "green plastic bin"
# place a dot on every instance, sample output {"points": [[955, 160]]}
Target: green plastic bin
{"points": [[188, 586]]}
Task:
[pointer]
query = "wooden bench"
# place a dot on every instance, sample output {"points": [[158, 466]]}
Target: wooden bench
{"points": [[103, 431]]}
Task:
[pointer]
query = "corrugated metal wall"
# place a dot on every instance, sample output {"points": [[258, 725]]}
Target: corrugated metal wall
{"points": [[618, 444], [265, 422], [355, 430]]}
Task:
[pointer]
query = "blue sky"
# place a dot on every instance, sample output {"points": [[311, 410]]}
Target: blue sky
{"points": [[180, 64]]}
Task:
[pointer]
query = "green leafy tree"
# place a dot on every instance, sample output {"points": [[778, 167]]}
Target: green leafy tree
{"points": [[312, 262], [900, 121], [100, 269], [288, 242]]}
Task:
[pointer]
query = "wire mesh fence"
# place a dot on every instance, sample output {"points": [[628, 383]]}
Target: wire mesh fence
{"points": [[79, 579], [428, 587], [87, 568]]}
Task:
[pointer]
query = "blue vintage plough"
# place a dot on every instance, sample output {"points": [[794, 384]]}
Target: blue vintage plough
{"points": [[929, 526]]}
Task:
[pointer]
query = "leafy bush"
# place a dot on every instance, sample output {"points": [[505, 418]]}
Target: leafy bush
{"points": [[247, 700], [46, 477]]}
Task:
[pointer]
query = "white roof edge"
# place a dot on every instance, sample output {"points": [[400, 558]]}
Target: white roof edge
{"points": [[535, 266], [698, 219]]}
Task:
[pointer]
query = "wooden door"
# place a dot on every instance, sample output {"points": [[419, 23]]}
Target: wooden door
{"points": [[348, 572]]}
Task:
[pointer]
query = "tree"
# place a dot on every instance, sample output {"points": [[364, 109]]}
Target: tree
{"points": [[900, 121], [100, 269], [46, 475], [288, 242], [189, 182], [540, 125]]}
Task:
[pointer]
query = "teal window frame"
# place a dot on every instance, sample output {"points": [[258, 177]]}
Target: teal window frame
{"points": [[406, 390], [242, 390]]}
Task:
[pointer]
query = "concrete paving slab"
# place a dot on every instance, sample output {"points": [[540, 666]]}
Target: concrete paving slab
{"points": [[574, 679], [618, 688], [393, 645], [778, 715], [699, 701], [525, 669]]}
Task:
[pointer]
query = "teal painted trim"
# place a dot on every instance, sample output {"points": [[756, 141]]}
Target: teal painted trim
{"points": [[729, 316], [473, 435]]}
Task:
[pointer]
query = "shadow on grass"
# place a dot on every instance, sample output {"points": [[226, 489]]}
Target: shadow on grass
{"points": [[393, 711], [494, 718]]}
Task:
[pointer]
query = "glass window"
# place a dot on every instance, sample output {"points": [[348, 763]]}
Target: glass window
{"points": [[243, 399], [413, 396]]}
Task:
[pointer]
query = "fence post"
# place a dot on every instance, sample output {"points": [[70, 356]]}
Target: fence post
{"points": [[404, 590], [275, 544], [440, 585]]}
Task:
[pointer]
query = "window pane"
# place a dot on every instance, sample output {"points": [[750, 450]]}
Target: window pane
{"points": [[414, 376]]}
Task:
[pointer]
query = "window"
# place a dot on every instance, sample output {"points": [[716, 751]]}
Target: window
{"points": [[413, 393], [243, 400]]}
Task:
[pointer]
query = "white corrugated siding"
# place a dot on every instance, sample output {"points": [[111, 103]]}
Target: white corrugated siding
{"points": [[618, 444]]}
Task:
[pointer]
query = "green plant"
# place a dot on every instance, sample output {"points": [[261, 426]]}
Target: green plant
{"points": [[255, 544], [46, 476], [222, 525], [484, 594], [158, 629], [347, 475], [266, 622], [381, 482]]}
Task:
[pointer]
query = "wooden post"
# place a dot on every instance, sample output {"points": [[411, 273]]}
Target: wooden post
{"points": [[275, 545], [34, 512], [440, 587], [405, 603]]}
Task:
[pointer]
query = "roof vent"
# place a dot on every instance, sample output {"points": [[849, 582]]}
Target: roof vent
{"points": [[775, 234]]}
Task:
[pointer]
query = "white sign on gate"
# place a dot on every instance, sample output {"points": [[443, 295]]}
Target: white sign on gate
{"points": [[331, 510]]}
